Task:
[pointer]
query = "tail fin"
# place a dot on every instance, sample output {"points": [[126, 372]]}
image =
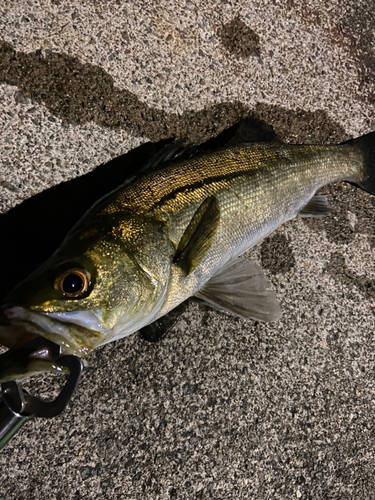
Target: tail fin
{"points": [[367, 145]]}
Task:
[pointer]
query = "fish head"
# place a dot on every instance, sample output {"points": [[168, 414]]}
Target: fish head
{"points": [[107, 280]]}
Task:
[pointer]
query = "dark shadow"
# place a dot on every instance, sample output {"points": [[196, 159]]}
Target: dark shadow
{"points": [[78, 93], [33, 230]]}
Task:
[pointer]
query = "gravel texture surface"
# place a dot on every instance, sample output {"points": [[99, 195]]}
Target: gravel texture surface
{"points": [[221, 408]]}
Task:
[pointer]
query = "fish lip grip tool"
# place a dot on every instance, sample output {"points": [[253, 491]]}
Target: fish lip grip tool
{"points": [[17, 405]]}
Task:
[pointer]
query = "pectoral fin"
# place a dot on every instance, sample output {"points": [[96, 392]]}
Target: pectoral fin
{"points": [[198, 236], [241, 289], [318, 206]]}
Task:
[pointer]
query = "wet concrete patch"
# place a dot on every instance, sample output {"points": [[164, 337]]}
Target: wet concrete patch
{"points": [[239, 39], [338, 269], [352, 32], [353, 213], [356, 29], [276, 254]]}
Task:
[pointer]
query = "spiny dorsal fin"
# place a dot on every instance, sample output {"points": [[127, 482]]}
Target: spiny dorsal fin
{"points": [[198, 236], [318, 206], [177, 150], [241, 288], [245, 131]]}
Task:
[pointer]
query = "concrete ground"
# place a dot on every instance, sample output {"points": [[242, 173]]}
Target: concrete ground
{"points": [[222, 408]]}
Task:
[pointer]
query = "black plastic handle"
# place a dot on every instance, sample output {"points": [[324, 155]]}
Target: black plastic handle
{"points": [[17, 406], [11, 420]]}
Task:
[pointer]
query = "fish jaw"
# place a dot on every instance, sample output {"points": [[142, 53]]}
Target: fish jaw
{"points": [[77, 332]]}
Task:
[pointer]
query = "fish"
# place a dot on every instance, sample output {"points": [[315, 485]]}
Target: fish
{"points": [[176, 230]]}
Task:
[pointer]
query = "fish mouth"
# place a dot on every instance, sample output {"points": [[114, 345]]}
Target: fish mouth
{"points": [[76, 332]]}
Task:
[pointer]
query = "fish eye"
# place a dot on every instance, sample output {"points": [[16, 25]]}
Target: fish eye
{"points": [[73, 283]]}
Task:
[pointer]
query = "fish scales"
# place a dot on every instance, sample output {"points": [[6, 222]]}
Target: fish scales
{"points": [[171, 233], [258, 187]]}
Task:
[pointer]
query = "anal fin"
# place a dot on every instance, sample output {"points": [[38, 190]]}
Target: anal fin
{"points": [[242, 289], [318, 206]]}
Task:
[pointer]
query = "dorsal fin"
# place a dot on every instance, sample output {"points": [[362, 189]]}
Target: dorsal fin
{"points": [[174, 151], [244, 131]]}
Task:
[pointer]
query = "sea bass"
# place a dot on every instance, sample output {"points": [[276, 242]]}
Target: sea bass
{"points": [[178, 231]]}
